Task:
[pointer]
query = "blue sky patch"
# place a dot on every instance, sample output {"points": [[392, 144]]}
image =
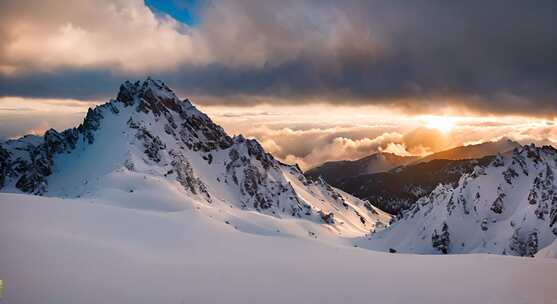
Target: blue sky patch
{"points": [[181, 10]]}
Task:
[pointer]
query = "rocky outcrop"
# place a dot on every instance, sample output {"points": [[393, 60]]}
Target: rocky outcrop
{"points": [[441, 240], [152, 144], [4, 165], [34, 170], [185, 175], [328, 218]]}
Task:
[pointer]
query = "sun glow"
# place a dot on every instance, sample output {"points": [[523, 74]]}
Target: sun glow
{"points": [[441, 123]]}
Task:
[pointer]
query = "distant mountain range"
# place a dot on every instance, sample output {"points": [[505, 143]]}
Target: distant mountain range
{"points": [[400, 188], [506, 206], [336, 171], [473, 151], [393, 183]]}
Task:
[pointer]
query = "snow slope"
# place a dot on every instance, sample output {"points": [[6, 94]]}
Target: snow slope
{"points": [[83, 251], [149, 143], [507, 207]]}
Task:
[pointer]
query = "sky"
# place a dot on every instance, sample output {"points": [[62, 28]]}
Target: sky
{"points": [[311, 80]]}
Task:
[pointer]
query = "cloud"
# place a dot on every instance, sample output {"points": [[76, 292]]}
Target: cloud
{"points": [[61, 106], [496, 56], [319, 144], [123, 35], [424, 140], [339, 148], [15, 125], [312, 146], [343, 133], [19, 116], [398, 149]]}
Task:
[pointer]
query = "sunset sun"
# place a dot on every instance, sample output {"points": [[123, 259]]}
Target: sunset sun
{"points": [[441, 123]]}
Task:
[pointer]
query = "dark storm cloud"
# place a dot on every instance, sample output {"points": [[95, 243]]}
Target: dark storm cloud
{"points": [[73, 84], [496, 56]]}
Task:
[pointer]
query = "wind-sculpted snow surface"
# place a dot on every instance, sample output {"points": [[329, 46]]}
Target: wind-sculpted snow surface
{"points": [[147, 136], [507, 207], [82, 251]]}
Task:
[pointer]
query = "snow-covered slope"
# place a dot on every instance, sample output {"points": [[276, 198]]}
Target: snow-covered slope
{"points": [[148, 143], [82, 251], [507, 207]]}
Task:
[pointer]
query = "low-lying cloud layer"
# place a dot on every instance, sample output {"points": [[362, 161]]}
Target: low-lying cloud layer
{"points": [[22, 116], [347, 133], [494, 56], [327, 145]]}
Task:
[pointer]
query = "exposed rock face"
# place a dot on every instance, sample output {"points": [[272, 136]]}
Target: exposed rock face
{"points": [[524, 245], [91, 123], [33, 180], [253, 171], [4, 165], [497, 205], [34, 171], [328, 218], [441, 241], [148, 131], [185, 175], [152, 144]]}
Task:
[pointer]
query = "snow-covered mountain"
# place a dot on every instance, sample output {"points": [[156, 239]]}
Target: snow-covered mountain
{"points": [[335, 171], [148, 143], [506, 207]]}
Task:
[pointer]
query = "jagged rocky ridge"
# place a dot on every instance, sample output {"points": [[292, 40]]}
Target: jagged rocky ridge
{"points": [[394, 183], [508, 206], [148, 132], [399, 189]]}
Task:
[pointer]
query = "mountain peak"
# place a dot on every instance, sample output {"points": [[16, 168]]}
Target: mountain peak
{"points": [[148, 137], [137, 88], [150, 95]]}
